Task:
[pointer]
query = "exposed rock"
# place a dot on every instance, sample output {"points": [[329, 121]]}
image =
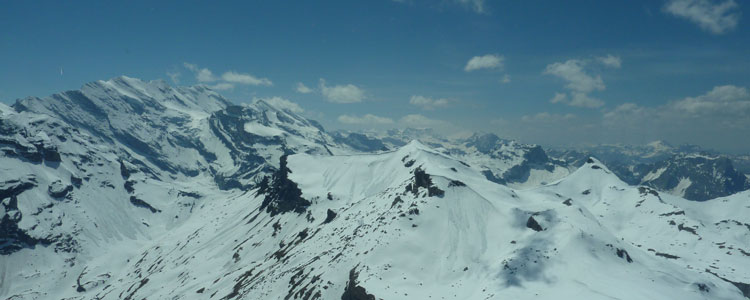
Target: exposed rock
{"points": [[58, 189], [353, 291], [76, 181], [422, 180], [743, 287], [15, 187], [330, 215], [281, 193], [455, 183], [14, 238], [621, 253], [140, 203], [532, 224]]}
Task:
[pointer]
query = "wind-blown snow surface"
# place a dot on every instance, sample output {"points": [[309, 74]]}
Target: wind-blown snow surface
{"points": [[88, 213]]}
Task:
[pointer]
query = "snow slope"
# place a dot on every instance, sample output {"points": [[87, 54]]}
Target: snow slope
{"points": [[86, 213], [447, 232]]}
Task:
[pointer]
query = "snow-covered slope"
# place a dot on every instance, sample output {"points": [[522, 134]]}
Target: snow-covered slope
{"points": [[122, 161], [686, 171], [414, 223], [256, 202], [503, 161]]}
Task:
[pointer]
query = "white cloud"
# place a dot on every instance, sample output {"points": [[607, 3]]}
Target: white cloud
{"points": [[625, 110], [191, 67], [559, 98], [420, 121], [505, 79], [489, 61], [724, 100], [579, 82], [583, 100], [610, 61], [342, 93], [476, 5], [303, 89], [427, 103], [174, 76], [547, 117], [282, 103], [242, 78], [227, 80], [368, 119], [717, 118], [716, 18], [573, 72], [201, 74], [222, 86]]}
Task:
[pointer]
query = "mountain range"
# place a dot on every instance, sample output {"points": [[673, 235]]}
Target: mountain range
{"points": [[128, 189]]}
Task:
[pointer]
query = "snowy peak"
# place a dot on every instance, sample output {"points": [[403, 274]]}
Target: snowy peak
{"points": [[414, 146], [368, 175], [592, 175], [595, 164], [195, 97], [484, 142], [6, 110]]}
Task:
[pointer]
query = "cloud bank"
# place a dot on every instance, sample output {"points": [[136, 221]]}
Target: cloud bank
{"points": [[713, 17]]}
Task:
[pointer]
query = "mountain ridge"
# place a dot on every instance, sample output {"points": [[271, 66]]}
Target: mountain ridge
{"points": [[256, 201]]}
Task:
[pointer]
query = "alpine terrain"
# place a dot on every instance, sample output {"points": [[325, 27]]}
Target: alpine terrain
{"points": [[129, 189]]}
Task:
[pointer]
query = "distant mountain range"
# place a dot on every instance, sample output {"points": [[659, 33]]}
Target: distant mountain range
{"points": [[685, 171], [127, 189]]}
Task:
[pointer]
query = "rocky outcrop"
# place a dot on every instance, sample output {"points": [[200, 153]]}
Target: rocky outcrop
{"points": [[422, 180], [353, 291], [281, 193]]}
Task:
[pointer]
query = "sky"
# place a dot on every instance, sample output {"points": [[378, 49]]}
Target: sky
{"points": [[556, 73]]}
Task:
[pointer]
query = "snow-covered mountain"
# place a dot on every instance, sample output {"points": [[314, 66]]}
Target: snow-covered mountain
{"points": [[129, 190], [502, 161], [685, 171]]}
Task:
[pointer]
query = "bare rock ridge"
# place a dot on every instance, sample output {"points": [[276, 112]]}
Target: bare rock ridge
{"points": [[281, 194]]}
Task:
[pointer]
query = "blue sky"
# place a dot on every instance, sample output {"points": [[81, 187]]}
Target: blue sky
{"points": [[548, 72]]}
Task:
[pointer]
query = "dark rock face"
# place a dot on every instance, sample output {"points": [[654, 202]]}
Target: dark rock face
{"points": [[532, 224], [76, 181], [621, 253], [13, 238], [423, 180], [353, 291], [229, 123], [140, 203], [19, 142], [281, 193], [15, 187], [330, 215]]}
